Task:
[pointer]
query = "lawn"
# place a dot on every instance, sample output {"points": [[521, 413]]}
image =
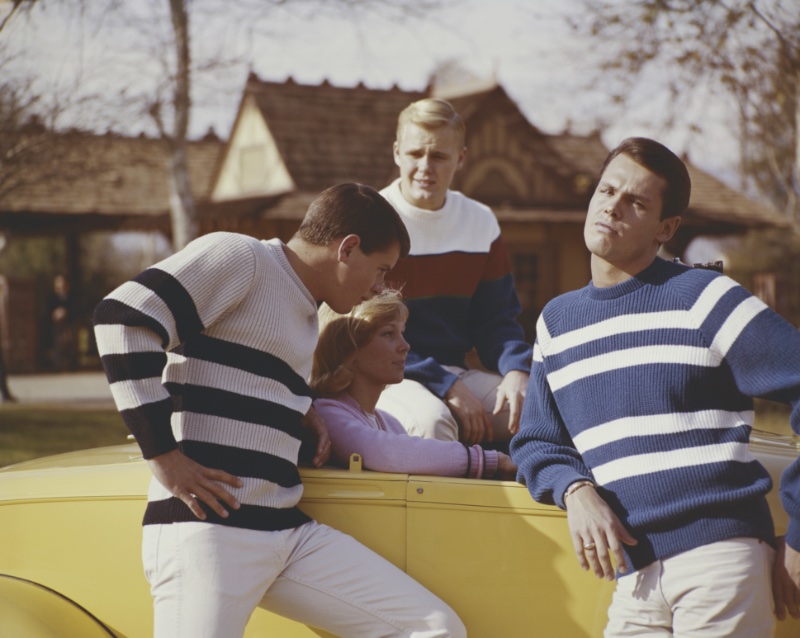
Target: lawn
{"points": [[28, 431]]}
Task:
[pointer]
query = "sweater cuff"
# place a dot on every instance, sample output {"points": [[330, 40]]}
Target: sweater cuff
{"points": [[560, 487], [492, 461], [151, 427]]}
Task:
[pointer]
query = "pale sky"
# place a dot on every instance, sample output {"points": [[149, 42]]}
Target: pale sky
{"points": [[524, 44]]}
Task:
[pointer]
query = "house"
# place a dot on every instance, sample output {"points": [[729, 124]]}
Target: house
{"points": [[290, 141], [69, 185]]}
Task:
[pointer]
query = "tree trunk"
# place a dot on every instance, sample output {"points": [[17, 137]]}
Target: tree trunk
{"points": [[185, 226]]}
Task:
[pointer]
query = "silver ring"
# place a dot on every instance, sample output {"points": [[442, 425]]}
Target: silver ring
{"points": [[588, 546]]}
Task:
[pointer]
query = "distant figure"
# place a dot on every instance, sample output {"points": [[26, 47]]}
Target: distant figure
{"points": [[61, 315]]}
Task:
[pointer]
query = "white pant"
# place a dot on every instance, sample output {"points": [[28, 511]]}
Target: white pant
{"points": [[721, 590], [207, 579], [424, 414]]}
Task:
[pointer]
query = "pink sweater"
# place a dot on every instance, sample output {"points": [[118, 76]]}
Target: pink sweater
{"points": [[386, 447]]}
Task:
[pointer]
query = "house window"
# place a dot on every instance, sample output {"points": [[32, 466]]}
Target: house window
{"points": [[526, 281], [252, 167]]}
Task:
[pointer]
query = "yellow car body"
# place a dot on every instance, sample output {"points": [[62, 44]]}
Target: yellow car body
{"points": [[70, 536]]}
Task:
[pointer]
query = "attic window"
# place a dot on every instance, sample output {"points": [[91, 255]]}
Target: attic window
{"points": [[252, 167], [527, 281]]}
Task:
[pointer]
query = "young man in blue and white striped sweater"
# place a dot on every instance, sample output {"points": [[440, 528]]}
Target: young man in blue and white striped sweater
{"points": [[208, 354], [638, 415]]}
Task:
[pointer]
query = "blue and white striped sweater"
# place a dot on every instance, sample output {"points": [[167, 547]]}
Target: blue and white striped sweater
{"points": [[208, 351], [646, 388]]}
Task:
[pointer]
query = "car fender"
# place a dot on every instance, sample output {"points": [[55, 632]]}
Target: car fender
{"points": [[35, 611]]}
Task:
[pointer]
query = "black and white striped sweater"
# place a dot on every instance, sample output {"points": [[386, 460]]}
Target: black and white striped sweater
{"points": [[208, 351]]}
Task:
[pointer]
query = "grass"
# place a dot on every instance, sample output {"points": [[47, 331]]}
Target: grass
{"points": [[32, 431]]}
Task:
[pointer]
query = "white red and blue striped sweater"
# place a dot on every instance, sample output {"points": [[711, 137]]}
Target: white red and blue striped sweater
{"points": [[459, 289], [645, 387], [208, 351]]}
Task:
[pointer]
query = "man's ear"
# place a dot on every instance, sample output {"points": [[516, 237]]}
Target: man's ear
{"points": [[462, 156], [396, 153], [667, 228], [347, 246]]}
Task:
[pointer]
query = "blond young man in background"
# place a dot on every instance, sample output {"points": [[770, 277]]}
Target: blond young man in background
{"points": [[458, 285]]}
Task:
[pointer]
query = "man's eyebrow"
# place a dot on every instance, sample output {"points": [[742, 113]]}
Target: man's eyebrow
{"points": [[628, 193], [636, 195]]}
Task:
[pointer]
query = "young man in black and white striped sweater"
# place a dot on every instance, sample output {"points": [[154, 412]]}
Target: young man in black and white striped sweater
{"points": [[208, 354]]}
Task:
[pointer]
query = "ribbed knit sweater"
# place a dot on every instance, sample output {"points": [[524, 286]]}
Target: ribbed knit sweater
{"points": [[459, 289], [385, 446], [645, 387], [208, 351]]}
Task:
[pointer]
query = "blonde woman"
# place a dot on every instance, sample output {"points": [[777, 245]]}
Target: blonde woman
{"points": [[357, 356]]}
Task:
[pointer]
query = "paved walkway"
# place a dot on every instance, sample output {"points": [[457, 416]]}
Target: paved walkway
{"points": [[68, 387]]}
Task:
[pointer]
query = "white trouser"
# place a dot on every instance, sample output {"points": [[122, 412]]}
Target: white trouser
{"points": [[207, 579], [424, 414], [719, 590]]}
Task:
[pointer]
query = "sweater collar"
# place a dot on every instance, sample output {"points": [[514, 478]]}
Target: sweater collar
{"points": [[413, 211], [657, 272]]}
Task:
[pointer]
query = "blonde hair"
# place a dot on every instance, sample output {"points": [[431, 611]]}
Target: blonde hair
{"points": [[341, 335], [432, 113]]}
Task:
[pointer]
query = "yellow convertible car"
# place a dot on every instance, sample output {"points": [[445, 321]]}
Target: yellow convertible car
{"points": [[70, 534]]}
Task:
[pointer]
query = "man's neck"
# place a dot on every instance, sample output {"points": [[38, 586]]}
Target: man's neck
{"points": [[309, 263], [606, 274], [425, 208]]}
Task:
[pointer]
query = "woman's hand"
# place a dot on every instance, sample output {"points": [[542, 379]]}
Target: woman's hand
{"points": [[506, 470], [317, 436]]}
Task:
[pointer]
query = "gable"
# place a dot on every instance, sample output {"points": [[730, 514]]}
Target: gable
{"points": [[253, 165], [322, 135], [510, 162]]}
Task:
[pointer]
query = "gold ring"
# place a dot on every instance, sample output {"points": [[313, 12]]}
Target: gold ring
{"points": [[588, 547]]}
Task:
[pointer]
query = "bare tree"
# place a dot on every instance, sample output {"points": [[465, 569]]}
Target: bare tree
{"points": [[183, 214], [168, 97], [747, 50]]}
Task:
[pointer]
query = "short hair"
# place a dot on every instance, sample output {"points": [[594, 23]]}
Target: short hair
{"points": [[658, 159], [354, 209], [340, 336], [432, 113]]}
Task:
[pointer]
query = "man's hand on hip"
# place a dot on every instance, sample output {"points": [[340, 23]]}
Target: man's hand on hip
{"points": [[192, 482]]}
